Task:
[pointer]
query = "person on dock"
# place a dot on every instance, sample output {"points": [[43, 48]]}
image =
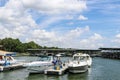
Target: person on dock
{"points": [[57, 63]]}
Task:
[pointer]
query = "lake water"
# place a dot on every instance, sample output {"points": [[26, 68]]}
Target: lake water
{"points": [[102, 69]]}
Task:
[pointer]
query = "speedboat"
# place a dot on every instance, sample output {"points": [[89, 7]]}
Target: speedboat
{"points": [[79, 63], [6, 57], [89, 59], [40, 65], [58, 68], [7, 62]]}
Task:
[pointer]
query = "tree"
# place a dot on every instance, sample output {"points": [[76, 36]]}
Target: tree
{"points": [[10, 44]]}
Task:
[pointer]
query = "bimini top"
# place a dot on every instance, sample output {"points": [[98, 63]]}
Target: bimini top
{"points": [[5, 53]]}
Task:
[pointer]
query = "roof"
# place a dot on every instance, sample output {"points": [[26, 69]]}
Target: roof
{"points": [[5, 53], [109, 48]]}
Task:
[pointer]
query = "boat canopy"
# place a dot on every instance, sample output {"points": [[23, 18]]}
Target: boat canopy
{"points": [[80, 54], [5, 53]]}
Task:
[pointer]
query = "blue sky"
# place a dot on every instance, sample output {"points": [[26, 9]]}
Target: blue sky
{"points": [[62, 23]]}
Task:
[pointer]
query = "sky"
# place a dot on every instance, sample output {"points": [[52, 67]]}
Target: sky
{"points": [[81, 24]]}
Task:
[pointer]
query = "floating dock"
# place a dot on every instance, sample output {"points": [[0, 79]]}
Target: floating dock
{"points": [[11, 67], [58, 71]]}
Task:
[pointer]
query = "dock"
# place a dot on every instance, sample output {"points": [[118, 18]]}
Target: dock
{"points": [[58, 71], [11, 67]]}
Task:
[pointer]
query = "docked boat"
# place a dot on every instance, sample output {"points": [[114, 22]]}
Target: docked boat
{"points": [[7, 62], [89, 59], [79, 63], [40, 65], [6, 57], [58, 68]]}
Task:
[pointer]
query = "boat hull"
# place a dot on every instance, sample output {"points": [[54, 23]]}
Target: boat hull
{"points": [[78, 69]]}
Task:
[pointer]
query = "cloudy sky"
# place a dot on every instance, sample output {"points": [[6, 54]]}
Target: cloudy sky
{"points": [[79, 24]]}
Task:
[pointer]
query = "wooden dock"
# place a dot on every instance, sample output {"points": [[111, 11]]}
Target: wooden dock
{"points": [[11, 67]]}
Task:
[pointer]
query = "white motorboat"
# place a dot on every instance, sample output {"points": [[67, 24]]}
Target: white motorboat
{"points": [[6, 58], [89, 59], [7, 62], [80, 63], [40, 65], [59, 68]]}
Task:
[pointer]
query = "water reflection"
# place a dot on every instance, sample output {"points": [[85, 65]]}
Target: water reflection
{"points": [[14, 75], [47, 77], [83, 76], [69, 76]]}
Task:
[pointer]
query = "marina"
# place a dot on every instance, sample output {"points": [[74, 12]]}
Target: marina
{"points": [[57, 65], [101, 69], [60, 40]]}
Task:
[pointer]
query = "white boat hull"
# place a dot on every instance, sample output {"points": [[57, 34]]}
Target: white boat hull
{"points": [[78, 69], [37, 69]]}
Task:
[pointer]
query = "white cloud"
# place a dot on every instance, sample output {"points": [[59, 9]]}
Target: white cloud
{"points": [[118, 36], [14, 20], [77, 32], [81, 17], [117, 39], [17, 22], [56, 6], [92, 42], [66, 40]]}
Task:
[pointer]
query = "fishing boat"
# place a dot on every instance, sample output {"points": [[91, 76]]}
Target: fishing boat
{"points": [[40, 65], [79, 63]]}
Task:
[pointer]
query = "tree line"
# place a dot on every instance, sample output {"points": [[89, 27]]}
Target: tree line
{"points": [[15, 45]]}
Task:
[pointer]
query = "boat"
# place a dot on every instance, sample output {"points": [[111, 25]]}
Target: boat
{"points": [[40, 65], [6, 57], [79, 63], [56, 71], [59, 68], [7, 62], [89, 59]]}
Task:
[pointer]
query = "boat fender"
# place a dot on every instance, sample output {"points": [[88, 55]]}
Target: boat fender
{"points": [[64, 64], [60, 73], [45, 72], [1, 68], [78, 62]]}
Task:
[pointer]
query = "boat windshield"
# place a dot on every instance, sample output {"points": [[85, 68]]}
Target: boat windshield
{"points": [[81, 58], [76, 58], [47, 58]]}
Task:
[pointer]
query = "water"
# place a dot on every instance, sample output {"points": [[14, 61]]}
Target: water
{"points": [[102, 69]]}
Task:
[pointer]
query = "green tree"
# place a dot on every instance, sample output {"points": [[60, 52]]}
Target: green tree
{"points": [[32, 45], [10, 44]]}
